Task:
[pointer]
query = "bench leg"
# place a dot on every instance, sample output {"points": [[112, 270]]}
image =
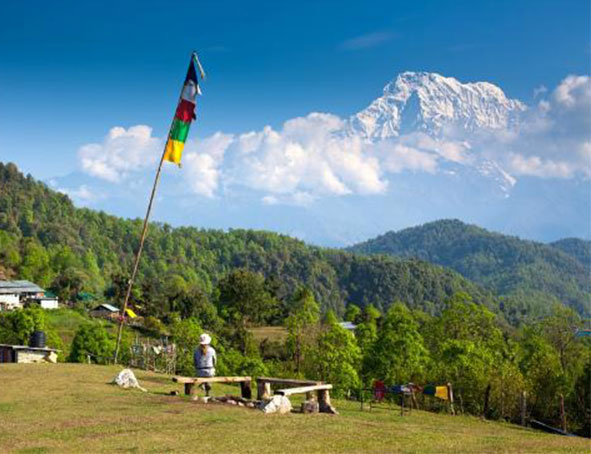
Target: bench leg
{"points": [[246, 390], [189, 389], [263, 390], [324, 403]]}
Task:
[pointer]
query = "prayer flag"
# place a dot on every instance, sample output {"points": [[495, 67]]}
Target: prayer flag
{"points": [[184, 115]]}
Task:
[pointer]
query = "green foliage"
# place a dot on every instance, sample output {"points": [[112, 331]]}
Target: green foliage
{"points": [[244, 298], [398, 355], [45, 239], [301, 325], [233, 362], [353, 313], [185, 334], [505, 264], [92, 340], [16, 327], [336, 358]]}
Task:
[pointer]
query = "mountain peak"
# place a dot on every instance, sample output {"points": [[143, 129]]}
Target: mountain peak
{"points": [[428, 102]]}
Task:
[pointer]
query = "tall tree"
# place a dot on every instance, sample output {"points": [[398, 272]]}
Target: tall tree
{"points": [[301, 323]]}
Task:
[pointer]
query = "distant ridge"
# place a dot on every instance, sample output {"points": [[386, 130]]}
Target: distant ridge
{"points": [[529, 273]]}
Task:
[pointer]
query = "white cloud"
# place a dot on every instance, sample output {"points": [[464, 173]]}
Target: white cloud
{"points": [[538, 167], [82, 195], [307, 156], [313, 156], [541, 90], [551, 138], [201, 163], [122, 151], [573, 91], [368, 40]]}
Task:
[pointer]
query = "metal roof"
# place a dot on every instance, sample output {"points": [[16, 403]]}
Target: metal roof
{"points": [[108, 307], [19, 287], [348, 325]]}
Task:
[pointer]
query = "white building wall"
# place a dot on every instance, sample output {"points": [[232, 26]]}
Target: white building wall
{"points": [[48, 303], [10, 300]]}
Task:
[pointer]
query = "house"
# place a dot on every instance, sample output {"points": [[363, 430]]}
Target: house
{"points": [[105, 311], [13, 294], [25, 354], [47, 301]]}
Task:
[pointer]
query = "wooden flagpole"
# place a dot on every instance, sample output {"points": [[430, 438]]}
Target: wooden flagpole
{"points": [[145, 226]]}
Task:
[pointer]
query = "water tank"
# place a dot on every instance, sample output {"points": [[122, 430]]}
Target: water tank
{"points": [[37, 339]]}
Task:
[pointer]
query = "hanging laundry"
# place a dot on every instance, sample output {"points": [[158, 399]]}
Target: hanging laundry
{"points": [[429, 390], [441, 392], [400, 389], [436, 391], [379, 390]]}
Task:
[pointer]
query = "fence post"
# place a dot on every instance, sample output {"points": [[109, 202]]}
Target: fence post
{"points": [[523, 406], [450, 396]]}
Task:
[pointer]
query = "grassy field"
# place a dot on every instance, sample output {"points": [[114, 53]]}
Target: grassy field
{"points": [[272, 333], [66, 408]]}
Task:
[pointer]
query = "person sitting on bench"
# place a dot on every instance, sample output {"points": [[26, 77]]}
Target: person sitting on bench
{"points": [[205, 360]]}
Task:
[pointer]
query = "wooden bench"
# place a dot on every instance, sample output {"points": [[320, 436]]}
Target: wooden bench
{"points": [[190, 383], [298, 387], [264, 385]]}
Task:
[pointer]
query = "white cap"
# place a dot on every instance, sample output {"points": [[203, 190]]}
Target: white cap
{"points": [[205, 339]]}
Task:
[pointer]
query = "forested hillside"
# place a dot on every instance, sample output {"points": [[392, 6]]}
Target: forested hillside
{"points": [[44, 238], [530, 275], [577, 248], [227, 283]]}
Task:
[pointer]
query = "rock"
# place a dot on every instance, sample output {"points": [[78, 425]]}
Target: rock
{"points": [[231, 402], [240, 404], [277, 404], [126, 379], [310, 406], [174, 393]]}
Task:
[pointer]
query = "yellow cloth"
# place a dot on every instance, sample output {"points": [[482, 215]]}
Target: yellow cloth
{"points": [[441, 392], [174, 151], [131, 313]]}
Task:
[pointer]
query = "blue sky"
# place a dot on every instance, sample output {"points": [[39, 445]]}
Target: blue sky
{"points": [[71, 71]]}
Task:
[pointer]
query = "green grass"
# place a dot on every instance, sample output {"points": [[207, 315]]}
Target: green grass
{"points": [[272, 333], [63, 408], [65, 322]]}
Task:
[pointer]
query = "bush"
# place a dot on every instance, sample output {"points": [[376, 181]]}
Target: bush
{"points": [[92, 339]]}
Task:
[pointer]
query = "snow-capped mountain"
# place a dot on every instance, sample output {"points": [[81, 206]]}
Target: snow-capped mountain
{"points": [[428, 102], [442, 108]]}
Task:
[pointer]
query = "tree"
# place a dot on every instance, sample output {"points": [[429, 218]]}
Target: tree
{"points": [[300, 324], [336, 358], [244, 298], [559, 329], [398, 355], [467, 349], [16, 327], [185, 334], [352, 313], [92, 340]]}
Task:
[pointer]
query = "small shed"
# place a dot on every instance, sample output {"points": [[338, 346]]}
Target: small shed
{"points": [[105, 311], [25, 354]]}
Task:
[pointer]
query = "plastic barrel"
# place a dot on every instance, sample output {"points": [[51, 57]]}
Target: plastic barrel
{"points": [[37, 339]]}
